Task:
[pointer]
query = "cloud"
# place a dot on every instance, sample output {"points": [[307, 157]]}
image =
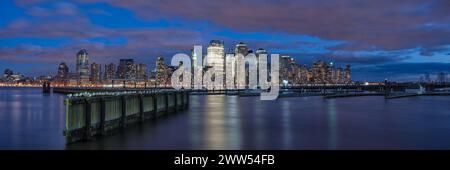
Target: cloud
{"points": [[66, 21], [348, 31], [398, 71], [385, 24], [435, 50], [58, 9], [140, 42], [371, 60]]}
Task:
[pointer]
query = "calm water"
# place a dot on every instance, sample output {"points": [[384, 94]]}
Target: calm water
{"points": [[32, 120]]}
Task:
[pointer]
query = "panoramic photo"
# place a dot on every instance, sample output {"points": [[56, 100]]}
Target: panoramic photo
{"points": [[197, 76]]}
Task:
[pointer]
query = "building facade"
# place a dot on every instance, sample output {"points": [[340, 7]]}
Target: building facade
{"points": [[141, 71], [126, 69], [96, 73], [63, 72], [215, 58], [82, 64], [110, 71]]}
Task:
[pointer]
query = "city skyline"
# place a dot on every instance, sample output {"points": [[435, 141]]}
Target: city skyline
{"points": [[401, 41], [89, 72], [290, 70]]}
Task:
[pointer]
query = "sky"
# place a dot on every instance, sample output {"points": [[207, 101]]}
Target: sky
{"points": [[399, 40]]}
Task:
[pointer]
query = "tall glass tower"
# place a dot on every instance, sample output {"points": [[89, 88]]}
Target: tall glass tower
{"points": [[82, 64], [216, 55], [216, 58]]}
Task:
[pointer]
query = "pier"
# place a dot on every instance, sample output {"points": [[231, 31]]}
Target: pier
{"points": [[341, 95], [98, 114], [46, 87]]}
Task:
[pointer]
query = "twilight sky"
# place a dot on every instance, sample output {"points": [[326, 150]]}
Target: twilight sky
{"points": [[399, 40]]}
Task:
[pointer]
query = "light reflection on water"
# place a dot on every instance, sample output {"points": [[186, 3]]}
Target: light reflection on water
{"points": [[214, 123], [332, 125], [32, 120], [233, 124], [286, 112]]}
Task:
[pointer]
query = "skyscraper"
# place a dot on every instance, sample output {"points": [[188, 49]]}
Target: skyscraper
{"points": [[285, 64], [82, 64], [194, 58], [95, 72], [141, 71], [259, 52], [110, 71], [241, 48], [321, 73], [347, 74], [162, 76], [216, 57], [63, 71], [230, 59], [126, 69], [339, 75], [215, 54], [195, 67]]}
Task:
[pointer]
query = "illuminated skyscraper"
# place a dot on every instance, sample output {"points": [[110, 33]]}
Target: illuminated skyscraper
{"points": [[339, 76], [231, 68], [241, 48], [216, 57], [347, 74], [194, 58], [82, 64], [285, 64], [141, 71], [259, 52], [110, 71], [95, 72], [215, 54], [63, 71], [126, 69], [163, 72]]}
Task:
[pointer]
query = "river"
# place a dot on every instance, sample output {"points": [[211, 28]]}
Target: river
{"points": [[32, 120]]}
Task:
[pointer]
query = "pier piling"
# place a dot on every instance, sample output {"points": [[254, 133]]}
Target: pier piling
{"points": [[90, 116]]}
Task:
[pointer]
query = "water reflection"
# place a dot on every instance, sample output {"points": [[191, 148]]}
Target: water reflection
{"points": [[195, 128], [332, 124], [258, 122], [214, 122], [31, 120], [233, 123], [286, 122]]}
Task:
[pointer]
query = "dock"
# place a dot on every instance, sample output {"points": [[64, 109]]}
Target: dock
{"points": [[98, 114], [341, 95]]}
